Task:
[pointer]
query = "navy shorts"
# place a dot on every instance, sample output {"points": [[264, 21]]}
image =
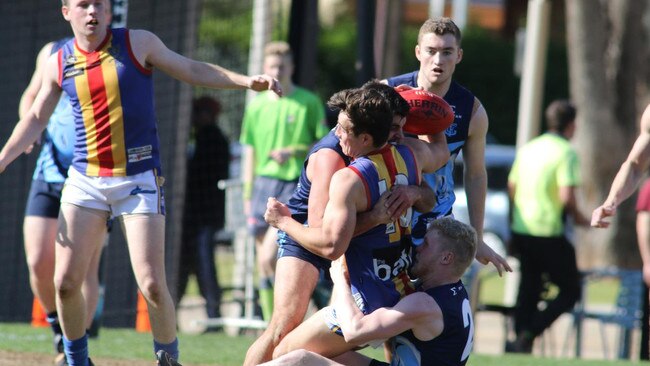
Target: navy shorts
{"points": [[290, 248], [44, 199], [264, 188]]}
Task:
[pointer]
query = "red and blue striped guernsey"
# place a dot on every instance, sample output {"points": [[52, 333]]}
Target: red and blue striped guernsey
{"points": [[112, 99]]}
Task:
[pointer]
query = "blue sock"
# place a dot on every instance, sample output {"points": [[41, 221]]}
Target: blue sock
{"points": [[76, 351], [171, 348]]}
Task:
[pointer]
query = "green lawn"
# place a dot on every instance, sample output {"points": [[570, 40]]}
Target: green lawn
{"points": [[215, 348], [222, 350]]}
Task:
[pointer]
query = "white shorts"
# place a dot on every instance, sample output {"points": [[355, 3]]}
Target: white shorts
{"points": [[134, 194]]}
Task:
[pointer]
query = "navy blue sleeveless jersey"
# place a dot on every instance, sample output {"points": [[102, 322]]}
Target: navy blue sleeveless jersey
{"points": [[300, 198], [379, 258], [441, 181], [453, 346]]}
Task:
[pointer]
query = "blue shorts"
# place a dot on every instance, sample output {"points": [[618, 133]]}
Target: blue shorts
{"points": [[44, 199], [290, 248], [264, 188]]}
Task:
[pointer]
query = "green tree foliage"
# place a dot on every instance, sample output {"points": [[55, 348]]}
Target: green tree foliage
{"points": [[486, 69]]}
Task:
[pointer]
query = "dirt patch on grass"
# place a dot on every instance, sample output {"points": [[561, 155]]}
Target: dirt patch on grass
{"points": [[11, 358]]}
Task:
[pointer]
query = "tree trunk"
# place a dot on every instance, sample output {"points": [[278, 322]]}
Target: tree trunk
{"points": [[605, 62]]}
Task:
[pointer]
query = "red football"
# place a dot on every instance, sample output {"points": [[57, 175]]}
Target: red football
{"points": [[429, 113]]}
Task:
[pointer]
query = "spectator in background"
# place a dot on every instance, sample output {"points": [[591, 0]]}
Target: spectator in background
{"points": [[276, 135], [542, 185], [208, 162]]}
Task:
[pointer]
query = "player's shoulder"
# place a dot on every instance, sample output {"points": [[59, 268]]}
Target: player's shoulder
{"points": [[420, 303], [409, 78], [138, 37]]}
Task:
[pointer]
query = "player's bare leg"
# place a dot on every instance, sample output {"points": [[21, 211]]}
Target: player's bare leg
{"points": [[145, 235], [291, 299], [81, 233]]}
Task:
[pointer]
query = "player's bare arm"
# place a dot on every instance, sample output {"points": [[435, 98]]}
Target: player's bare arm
{"points": [[475, 174], [34, 122], [629, 175], [417, 311], [321, 167], [475, 177], [428, 160], [150, 51], [29, 95], [437, 145], [347, 197]]}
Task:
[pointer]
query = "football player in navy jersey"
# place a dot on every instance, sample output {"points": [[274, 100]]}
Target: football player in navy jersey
{"points": [[432, 326], [439, 51]]}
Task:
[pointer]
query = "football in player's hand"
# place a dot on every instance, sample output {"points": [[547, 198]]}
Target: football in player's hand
{"points": [[429, 113]]}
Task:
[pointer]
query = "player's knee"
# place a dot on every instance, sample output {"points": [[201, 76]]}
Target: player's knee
{"points": [[153, 291], [282, 324], [67, 285], [299, 357]]}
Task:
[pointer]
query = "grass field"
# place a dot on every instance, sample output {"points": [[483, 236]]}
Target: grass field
{"points": [[128, 348], [20, 344]]}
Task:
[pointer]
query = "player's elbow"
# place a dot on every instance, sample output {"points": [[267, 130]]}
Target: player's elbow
{"points": [[353, 335], [332, 251]]}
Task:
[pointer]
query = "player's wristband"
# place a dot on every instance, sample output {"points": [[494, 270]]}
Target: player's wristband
{"points": [[247, 191]]}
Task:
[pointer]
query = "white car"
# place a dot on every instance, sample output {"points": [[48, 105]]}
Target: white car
{"points": [[496, 226]]}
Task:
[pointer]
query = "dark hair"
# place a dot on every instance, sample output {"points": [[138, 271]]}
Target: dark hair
{"points": [[397, 104], [368, 111], [560, 114], [440, 26], [206, 103]]}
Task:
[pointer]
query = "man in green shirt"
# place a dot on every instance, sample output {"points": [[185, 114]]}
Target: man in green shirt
{"points": [[542, 186], [277, 134]]}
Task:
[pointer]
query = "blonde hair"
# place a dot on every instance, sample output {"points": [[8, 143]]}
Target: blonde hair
{"points": [[458, 238], [278, 48]]}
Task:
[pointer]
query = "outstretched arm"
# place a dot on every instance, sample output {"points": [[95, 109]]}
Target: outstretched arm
{"points": [[150, 51], [29, 128], [475, 177], [629, 175], [29, 95]]}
